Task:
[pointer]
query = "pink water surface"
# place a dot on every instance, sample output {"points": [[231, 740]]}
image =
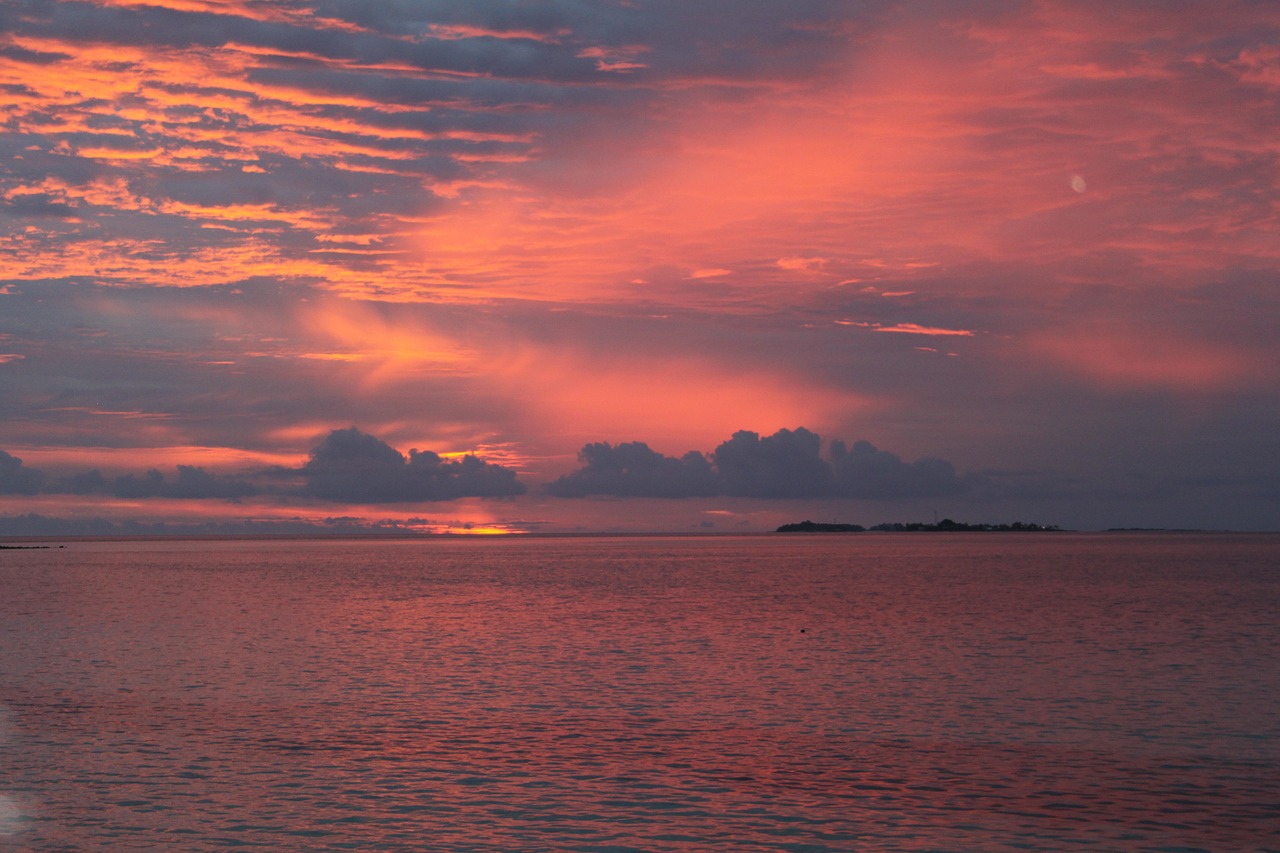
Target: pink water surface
{"points": [[809, 693]]}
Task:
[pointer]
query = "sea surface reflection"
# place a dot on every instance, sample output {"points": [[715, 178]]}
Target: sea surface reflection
{"points": [[809, 693]]}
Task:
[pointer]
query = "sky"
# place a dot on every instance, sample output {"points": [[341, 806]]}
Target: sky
{"points": [[644, 265]]}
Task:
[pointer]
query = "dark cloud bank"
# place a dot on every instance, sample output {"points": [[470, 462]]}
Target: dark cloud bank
{"points": [[787, 464], [17, 479], [350, 466], [190, 482], [354, 467]]}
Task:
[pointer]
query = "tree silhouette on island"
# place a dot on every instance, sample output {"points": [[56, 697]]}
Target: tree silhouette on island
{"points": [[944, 526]]}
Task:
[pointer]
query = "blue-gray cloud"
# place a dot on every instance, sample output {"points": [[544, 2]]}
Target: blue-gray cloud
{"points": [[35, 524], [862, 471], [354, 467], [787, 464], [632, 469], [348, 466], [16, 478], [191, 483]]}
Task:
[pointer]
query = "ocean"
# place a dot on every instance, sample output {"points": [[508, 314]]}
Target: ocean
{"points": [[923, 692]]}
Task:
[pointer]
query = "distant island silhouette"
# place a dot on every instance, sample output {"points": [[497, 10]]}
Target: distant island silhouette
{"points": [[816, 527], [944, 526]]}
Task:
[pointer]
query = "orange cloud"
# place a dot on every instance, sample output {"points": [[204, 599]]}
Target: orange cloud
{"points": [[908, 329], [915, 329], [788, 180], [900, 159], [161, 455], [394, 350], [890, 178]]}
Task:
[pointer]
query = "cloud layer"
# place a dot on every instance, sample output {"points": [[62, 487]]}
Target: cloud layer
{"points": [[348, 466], [353, 467], [786, 465], [15, 479]]}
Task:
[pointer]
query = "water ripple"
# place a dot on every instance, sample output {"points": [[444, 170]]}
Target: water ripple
{"points": [[643, 695]]}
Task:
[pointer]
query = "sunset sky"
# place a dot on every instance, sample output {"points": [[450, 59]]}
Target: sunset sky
{"points": [[638, 265]]}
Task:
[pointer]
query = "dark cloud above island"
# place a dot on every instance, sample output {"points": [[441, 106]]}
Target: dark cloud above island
{"points": [[632, 469], [787, 464], [862, 471], [17, 479]]}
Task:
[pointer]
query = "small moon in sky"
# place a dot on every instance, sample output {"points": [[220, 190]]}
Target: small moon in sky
{"points": [[1078, 184]]}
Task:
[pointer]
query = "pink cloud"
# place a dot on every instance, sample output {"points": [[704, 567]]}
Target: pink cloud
{"points": [[916, 329]]}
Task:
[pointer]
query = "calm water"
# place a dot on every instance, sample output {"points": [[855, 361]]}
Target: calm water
{"points": [[875, 692]]}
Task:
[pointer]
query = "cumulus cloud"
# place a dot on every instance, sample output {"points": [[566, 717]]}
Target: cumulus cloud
{"points": [[865, 472], [348, 466], [634, 470], [16, 479], [355, 467], [787, 464]]}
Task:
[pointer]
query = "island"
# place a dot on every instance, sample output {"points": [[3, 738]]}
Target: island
{"points": [[944, 526], [816, 527]]}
